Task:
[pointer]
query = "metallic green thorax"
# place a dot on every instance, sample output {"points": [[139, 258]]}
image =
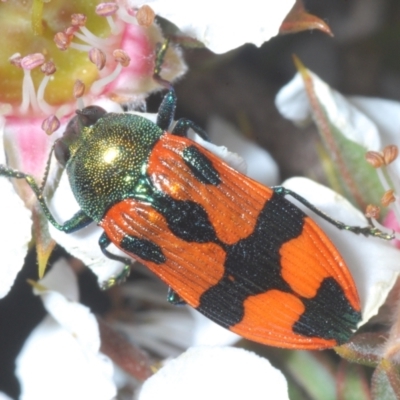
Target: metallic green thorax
{"points": [[106, 162]]}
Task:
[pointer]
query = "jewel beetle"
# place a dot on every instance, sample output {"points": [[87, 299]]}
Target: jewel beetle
{"points": [[235, 250]]}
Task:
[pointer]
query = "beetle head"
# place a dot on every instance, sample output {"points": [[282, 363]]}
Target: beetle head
{"points": [[84, 118]]}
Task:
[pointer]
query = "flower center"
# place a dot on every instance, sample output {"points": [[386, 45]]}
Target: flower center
{"points": [[29, 28]]}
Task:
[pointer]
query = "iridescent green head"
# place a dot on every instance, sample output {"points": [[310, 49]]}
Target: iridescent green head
{"points": [[104, 155]]}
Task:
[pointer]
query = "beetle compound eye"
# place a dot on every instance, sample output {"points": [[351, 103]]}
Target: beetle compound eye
{"points": [[90, 115], [61, 152], [73, 128]]}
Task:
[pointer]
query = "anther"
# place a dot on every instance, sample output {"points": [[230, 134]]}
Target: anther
{"points": [[97, 57], [121, 57], [106, 9], [145, 16], [50, 124], [375, 159], [123, 60], [62, 40], [32, 61], [48, 68], [390, 153], [15, 60], [388, 198], [79, 89], [78, 19], [372, 211]]}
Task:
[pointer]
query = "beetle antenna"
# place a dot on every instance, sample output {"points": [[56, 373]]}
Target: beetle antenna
{"points": [[46, 171]]}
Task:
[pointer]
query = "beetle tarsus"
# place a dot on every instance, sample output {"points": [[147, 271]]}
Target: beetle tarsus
{"points": [[183, 125], [117, 279], [363, 230]]}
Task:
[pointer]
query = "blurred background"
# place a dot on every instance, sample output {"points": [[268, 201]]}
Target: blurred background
{"points": [[363, 58]]}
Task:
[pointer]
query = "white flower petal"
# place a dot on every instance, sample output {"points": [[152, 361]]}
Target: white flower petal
{"points": [[82, 244], [166, 333], [234, 160], [53, 365], [3, 396], [384, 113], [165, 329], [260, 165], [374, 263], [216, 373], [168, 329], [109, 105], [292, 102], [64, 348], [222, 25], [150, 116], [17, 225], [72, 316], [208, 333], [62, 279], [218, 147]]}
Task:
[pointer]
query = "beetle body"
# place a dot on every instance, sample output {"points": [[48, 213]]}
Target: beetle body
{"points": [[230, 247], [235, 250]]}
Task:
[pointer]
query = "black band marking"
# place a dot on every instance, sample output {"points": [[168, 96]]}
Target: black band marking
{"points": [[325, 319], [201, 166], [253, 264], [143, 248], [186, 219]]}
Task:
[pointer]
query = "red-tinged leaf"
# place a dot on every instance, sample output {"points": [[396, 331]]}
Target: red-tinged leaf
{"points": [[352, 383], [365, 348], [359, 181], [385, 383], [44, 242], [299, 20], [127, 356]]}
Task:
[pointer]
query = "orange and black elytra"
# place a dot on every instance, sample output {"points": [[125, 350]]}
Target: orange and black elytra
{"points": [[235, 250]]}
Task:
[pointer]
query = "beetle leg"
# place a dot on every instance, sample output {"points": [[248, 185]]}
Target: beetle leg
{"points": [[166, 114], [78, 221], [364, 230], [116, 280], [104, 242], [166, 111], [160, 55], [183, 125], [174, 298]]}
